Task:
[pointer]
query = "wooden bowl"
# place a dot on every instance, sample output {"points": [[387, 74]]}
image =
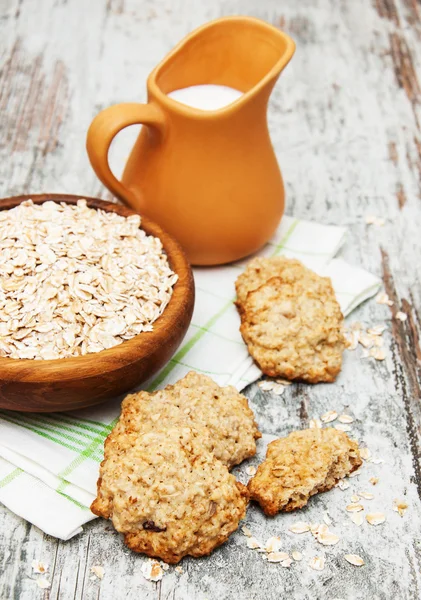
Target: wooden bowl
{"points": [[72, 383]]}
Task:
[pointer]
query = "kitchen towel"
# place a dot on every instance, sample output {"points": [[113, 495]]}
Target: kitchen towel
{"points": [[49, 462]]}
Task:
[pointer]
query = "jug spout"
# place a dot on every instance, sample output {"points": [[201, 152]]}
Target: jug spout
{"points": [[244, 53]]}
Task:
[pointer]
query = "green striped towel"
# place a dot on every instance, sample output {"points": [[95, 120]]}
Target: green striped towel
{"points": [[49, 462]]}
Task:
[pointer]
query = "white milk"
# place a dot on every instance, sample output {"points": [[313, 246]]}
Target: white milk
{"points": [[206, 97]]}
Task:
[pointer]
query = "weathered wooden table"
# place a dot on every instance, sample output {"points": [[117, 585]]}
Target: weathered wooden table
{"points": [[345, 122]]}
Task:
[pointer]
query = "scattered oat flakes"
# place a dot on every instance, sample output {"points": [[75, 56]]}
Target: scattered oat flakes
{"points": [[251, 470], [286, 563], [366, 340], [345, 419], [315, 424], [317, 563], [378, 341], [377, 330], [179, 570], [277, 557], [342, 484], [355, 473], [356, 326], [377, 353], [401, 316], [297, 556], [365, 453], [355, 498], [316, 528], [246, 531], [278, 389], [39, 567], [152, 570], [383, 298], [375, 518], [328, 417], [400, 506], [165, 565], [283, 381], [265, 385], [327, 538], [43, 583], [365, 353], [373, 220], [98, 571], [352, 338], [354, 507], [273, 544], [366, 495], [254, 544], [374, 480], [327, 519], [343, 427], [354, 559], [377, 461], [300, 527], [357, 518]]}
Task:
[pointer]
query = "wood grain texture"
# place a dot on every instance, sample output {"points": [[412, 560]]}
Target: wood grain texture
{"points": [[73, 383], [345, 122]]}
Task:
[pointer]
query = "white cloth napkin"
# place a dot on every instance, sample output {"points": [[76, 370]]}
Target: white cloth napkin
{"points": [[49, 462]]}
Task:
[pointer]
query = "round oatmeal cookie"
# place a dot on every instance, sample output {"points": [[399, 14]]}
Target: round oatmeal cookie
{"points": [[220, 415], [302, 464], [292, 326], [259, 270], [171, 497]]}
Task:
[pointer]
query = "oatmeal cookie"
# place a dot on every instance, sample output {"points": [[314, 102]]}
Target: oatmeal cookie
{"points": [[303, 464], [292, 324], [169, 495], [221, 415], [259, 270]]}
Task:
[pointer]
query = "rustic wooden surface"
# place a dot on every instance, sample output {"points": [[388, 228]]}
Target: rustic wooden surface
{"points": [[345, 122]]}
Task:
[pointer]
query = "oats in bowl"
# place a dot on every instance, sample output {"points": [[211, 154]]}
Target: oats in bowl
{"points": [[75, 280]]}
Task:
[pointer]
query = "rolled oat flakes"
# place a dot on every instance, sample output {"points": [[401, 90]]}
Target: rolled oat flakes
{"points": [[75, 280]]}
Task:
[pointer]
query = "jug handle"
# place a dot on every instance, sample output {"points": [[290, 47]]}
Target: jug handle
{"points": [[101, 133]]}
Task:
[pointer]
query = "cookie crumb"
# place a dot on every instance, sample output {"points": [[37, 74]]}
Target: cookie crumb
{"points": [[39, 567], [400, 506], [152, 570]]}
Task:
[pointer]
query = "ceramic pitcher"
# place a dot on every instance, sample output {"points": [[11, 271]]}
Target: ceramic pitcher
{"points": [[210, 178]]}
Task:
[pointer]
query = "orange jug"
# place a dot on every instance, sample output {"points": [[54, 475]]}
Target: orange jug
{"points": [[209, 177]]}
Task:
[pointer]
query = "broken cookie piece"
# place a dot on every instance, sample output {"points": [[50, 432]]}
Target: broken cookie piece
{"points": [[221, 415], [290, 320], [302, 464], [169, 495]]}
